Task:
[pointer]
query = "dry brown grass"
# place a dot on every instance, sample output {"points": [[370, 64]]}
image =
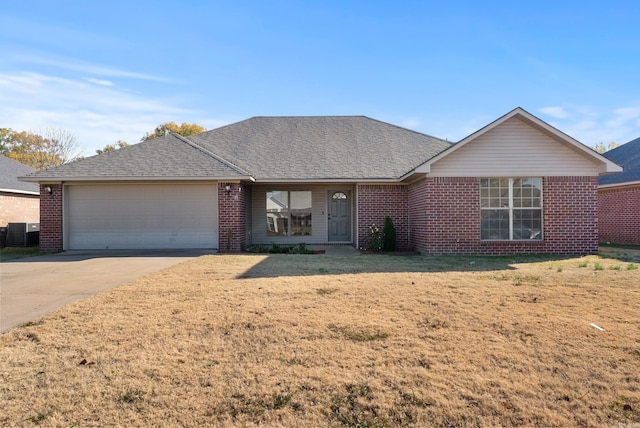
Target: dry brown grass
{"points": [[320, 341]]}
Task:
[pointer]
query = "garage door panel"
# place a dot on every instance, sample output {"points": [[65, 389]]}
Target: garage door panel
{"points": [[141, 216]]}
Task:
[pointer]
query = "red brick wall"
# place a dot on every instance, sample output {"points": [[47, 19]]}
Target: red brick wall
{"points": [[51, 218], [375, 202], [19, 208], [445, 218], [619, 215], [232, 215], [418, 234]]}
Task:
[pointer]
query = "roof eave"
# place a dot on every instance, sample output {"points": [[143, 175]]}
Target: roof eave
{"points": [[45, 179], [622, 184], [327, 180], [21, 192]]}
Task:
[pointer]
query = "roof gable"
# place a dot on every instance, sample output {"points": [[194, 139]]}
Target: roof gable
{"points": [[628, 156], [319, 148], [10, 170], [604, 165], [164, 158]]}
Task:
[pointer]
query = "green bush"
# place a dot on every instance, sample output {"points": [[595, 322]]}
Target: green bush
{"points": [[374, 239], [389, 238], [280, 249]]}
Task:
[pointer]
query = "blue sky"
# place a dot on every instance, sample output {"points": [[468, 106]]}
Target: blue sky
{"points": [[110, 71]]}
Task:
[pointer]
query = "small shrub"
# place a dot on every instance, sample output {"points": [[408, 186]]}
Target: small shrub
{"points": [[615, 267], [583, 264], [258, 248], [559, 269], [632, 266], [280, 249], [276, 249], [389, 236], [598, 266], [300, 249], [374, 239]]}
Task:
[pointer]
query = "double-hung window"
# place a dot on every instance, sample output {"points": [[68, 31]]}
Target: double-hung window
{"points": [[288, 213], [511, 209]]}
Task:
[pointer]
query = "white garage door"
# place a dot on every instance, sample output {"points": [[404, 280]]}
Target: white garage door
{"points": [[141, 216]]}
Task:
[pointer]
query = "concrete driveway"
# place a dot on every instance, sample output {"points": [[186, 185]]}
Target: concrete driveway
{"points": [[34, 286]]}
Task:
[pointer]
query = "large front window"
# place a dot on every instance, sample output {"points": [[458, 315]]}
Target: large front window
{"points": [[511, 209], [288, 213]]}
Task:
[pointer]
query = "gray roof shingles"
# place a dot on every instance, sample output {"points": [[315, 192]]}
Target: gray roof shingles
{"points": [[320, 147], [269, 148], [164, 157], [627, 156], [10, 170]]}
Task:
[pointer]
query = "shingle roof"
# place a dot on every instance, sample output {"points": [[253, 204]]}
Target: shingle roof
{"points": [[320, 147], [627, 156], [267, 148], [164, 157], [10, 170]]}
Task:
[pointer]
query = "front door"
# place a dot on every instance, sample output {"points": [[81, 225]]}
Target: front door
{"points": [[340, 215]]}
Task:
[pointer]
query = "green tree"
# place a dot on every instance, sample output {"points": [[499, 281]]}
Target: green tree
{"points": [[184, 130], [5, 139], [113, 147], [389, 238], [601, 148], [48, 148]]}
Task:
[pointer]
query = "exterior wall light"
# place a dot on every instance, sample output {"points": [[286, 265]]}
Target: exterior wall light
{"points": [[48, 189], [227, 188]]}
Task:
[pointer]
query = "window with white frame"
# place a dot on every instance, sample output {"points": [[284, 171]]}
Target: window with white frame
{"points": [[511, 209]]}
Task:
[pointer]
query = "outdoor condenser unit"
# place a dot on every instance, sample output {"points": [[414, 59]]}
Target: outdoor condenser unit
{"points": [[23, 234]]}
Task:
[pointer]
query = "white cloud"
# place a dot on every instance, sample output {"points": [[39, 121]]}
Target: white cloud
{"points": [[98, 114], [410, 123], [555, 111], [88, 68], [622, 116], [100, 82], [591, 126]]}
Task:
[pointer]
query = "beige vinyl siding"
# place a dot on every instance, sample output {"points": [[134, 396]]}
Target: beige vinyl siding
{"points": [[319, 233], [514, 149]]}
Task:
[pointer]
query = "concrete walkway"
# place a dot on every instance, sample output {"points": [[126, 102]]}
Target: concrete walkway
{"points": [[34, 286]]}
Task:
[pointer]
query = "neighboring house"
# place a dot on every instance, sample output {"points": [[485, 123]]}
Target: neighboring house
{"points": [[619, 197], [19, 200], [518, 185]]}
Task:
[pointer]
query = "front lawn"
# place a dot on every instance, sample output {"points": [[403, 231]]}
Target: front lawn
{"points": [[13, 253], [309, 340]]}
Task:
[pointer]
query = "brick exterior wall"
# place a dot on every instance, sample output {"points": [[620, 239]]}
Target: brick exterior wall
{"points": [[232, 218], [51, 218], [619, 215], [375, 202], [444, 218], [19, 208]]}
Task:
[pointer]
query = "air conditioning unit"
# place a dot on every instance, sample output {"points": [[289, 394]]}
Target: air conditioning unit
{"points": [[23, 234]]}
